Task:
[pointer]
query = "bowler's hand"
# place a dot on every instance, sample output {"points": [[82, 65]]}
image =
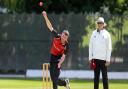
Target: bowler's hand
{"points": [[107, 63], [59, 65], [44, 13]]}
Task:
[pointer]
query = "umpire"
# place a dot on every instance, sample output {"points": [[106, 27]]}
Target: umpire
{"points": [[58, 51], [100, 48]]}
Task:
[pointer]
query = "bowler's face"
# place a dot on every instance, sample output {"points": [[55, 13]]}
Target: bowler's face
{"points": [[64, 36]]}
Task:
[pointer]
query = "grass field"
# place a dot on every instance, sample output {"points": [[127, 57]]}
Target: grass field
{"points": [[75, 84]]}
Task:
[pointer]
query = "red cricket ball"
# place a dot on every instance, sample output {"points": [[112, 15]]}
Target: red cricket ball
{"points": [[40, 3]]}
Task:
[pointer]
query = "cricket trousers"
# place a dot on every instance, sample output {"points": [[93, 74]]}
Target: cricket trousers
{"points": [[54, 73], [100, 66]]}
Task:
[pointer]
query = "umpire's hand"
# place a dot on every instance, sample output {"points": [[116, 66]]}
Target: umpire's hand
{"points": [[107, 63]]}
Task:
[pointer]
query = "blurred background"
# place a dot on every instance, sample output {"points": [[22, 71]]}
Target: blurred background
{"points": [[25, 41]]}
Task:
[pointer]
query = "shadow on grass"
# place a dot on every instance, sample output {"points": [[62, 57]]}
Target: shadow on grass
{"points": [[90, 81], [71, 80]]}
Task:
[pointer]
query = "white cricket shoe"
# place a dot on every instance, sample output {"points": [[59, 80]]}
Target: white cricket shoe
{"points": [[67, 84]]}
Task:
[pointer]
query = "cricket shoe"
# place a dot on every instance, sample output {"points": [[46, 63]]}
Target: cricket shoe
{"points": [[67, 84]]}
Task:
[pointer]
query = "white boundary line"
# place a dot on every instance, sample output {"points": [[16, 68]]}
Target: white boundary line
{"points": [[80, 74]]}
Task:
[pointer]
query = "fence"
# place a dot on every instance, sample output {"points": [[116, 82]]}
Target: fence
{"points": [[25, 41]]}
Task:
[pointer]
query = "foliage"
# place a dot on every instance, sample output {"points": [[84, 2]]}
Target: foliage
{"points": [[66, 6]]}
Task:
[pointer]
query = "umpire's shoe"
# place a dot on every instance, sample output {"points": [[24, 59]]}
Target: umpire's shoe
{"points": [[67, 84]]}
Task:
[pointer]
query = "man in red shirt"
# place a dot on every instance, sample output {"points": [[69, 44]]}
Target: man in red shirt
{"points": [[58, 52]]}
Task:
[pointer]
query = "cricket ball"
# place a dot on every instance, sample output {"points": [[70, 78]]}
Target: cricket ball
{"points": [[40, 3]]}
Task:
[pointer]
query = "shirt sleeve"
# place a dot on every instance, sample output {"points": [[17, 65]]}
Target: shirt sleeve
{"points": [[91, 47], [55, 34], [66, 48], [109, 48]]}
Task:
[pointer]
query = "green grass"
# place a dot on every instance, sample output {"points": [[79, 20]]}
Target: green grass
{"points": [[75, 84]]}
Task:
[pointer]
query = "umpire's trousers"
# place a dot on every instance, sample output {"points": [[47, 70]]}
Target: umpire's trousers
{"points": [[54, 73], [100, 66]]}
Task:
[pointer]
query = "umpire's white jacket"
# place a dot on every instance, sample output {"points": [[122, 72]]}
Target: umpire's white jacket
{"points": [[100, 45]]}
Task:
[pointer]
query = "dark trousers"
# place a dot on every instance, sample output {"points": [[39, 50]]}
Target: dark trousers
{"points": [[100, 66], [54, 73]]}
